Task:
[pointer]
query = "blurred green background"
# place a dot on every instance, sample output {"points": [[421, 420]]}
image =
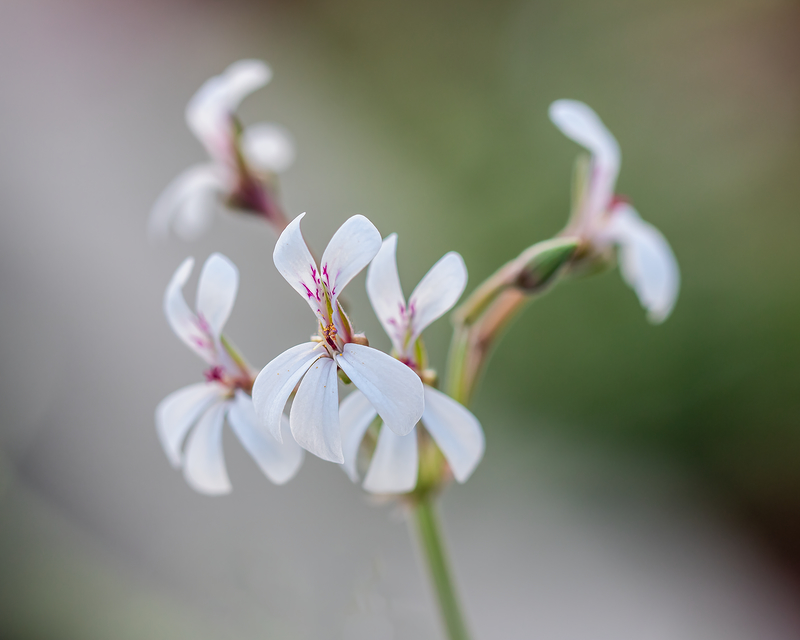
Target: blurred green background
{"points": [[431, 119]]}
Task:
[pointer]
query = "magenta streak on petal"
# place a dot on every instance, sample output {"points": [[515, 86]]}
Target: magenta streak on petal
{"points": [[308, 291], [217, 372]]}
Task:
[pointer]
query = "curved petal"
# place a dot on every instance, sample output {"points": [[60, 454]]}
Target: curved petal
{"points": [[216, 292], [386, 294], [204, 464], [187, 203], [647, 262], [208, 112], [176, 414], [351, 249], [457, 432], [355, 415], [279, 461], [314, 418], [277, 380], [393, 388], [181, 318], [296, 264], [437, 292], [268, 147], [394, 465], [580, 123]]}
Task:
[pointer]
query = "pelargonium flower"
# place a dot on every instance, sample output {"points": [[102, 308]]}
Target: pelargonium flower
{"points": [[392, 389], [604, 220], [244, 162], [204, 407], [458, 434]]}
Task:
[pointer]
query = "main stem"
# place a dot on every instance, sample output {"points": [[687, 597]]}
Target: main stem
{"points": [[429, 532]]}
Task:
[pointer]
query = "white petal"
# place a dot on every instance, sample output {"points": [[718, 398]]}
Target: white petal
{"points": [[394, 464], [204, 465], [457, 432], [437, 292], [277, 380], [268, 147], [393, 388], [208, 112], [279, 461], [181, 318], [355, 415], [188, 203], [216, 291], [176, 414], [580, 123], [647, 262], [351, 249], [314, 418], [386, 294], [295, 262]]}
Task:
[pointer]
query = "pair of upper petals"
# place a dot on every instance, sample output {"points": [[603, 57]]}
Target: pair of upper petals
{"points": [[647, 261], [393, 389]]}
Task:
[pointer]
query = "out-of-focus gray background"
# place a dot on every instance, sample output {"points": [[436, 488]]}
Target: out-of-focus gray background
{"points": [[639, 482]]}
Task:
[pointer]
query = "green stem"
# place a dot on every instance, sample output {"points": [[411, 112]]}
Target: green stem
{"points": [[429, 533]]}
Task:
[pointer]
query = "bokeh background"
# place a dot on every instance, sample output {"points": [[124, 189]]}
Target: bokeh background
{"points": [[639, 482]]}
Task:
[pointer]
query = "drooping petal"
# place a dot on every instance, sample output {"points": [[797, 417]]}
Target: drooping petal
{"points": [[181, 318], [456, 431], [386, 294], [580, 123], [208, 112], [647, 262], [176, 414], [351, 249], [394, 464], [296, 264], [355, 415], [187, 203], [279, 461], [268, 147], [437, 292], [277, 380], [204, 464], [314, 418], [216, 292], [393, 388]]}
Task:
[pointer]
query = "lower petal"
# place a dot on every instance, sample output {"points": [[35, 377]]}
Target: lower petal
{"points": [[204, 465], [456, 431], [355, 415], [314, 418], [394, 465]]}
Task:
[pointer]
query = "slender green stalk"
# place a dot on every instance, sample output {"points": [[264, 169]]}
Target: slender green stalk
{"points": [[431, 541]]}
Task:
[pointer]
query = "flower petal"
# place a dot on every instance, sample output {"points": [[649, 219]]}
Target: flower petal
{"points": [[296, 264], [355, 415], [208, 112], [204, 465], [176, 414], [314, 418], [394, 464], [181, 318], [187, 203], [351, 249], [279, 461], [393, 388], [457, 432], [437, 292], [386, 294], [647, 262], [580, 123], [268, 147], [216, 292], [277, 380]]}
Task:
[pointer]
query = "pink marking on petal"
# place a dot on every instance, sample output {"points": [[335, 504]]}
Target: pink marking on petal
{"points": [[215, 373]]}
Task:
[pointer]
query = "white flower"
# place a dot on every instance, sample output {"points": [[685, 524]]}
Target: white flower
{"points": [[238, 158], [647, 262], [393, 389], [394, 464], [206, 405]]}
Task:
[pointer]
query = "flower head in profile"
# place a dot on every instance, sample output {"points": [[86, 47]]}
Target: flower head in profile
{"points": [[603, 220], [203, 408], [391, 388], [242, 173], [458, 434]]}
